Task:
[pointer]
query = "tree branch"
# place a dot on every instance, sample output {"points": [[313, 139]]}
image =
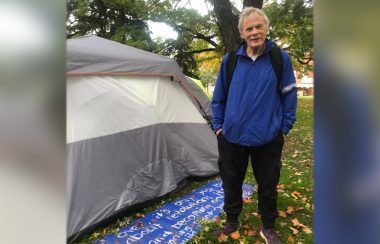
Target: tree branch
{"points": [[198, 35], [304, 62], [201, 50], [206, 38]]}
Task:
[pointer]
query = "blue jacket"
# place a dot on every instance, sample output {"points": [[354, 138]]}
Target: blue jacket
{"points": [[255, 111]]}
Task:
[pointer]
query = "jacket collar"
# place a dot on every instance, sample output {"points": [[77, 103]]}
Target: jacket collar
{"points": [[268, 46]]}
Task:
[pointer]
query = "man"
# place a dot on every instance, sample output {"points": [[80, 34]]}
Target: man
{"points": [[251, 118]]}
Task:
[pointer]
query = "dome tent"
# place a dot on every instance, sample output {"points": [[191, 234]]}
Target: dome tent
{"points": [[133, 132]]}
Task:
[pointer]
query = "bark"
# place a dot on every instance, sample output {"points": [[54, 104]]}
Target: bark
{"points": [[227, 23], [253, 3]]}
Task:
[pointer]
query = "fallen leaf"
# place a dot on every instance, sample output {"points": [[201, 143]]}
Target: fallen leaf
{"points": [[247, 200], [251, 233], [295, 231], [139, 224], [282, 186], [289, 209], [282, 214], [290, 239], [299, 209], [222, 238], [297, 223], [308, 206], [282, 224], [256, 214], [307, 230], [296, 193], [235, 235], [246, 227], [217, 220]]}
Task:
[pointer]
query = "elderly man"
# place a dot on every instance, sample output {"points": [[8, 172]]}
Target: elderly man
{"points": [[252, 113]]}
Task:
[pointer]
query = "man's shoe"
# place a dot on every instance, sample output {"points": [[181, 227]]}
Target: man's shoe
{"points": [[270, 236], [228, 228]]}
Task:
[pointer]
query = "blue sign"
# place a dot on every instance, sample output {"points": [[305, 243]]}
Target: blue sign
{"points": [[177, 221]]}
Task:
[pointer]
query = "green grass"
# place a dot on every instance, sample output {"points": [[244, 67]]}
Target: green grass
{"points": [[295, 192]]}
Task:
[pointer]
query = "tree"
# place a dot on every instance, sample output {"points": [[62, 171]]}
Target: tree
{"points": [[121, 21], [227, 18], [291, 26], [126, 21]]}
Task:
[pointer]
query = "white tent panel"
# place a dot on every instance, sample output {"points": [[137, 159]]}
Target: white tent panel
{"points": [[104, 105]]}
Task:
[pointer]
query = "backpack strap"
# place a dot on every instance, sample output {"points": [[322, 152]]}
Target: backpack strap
{"points": [[276, 59], [231, 63]]}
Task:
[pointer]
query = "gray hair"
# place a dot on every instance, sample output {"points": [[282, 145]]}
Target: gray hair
{"points": [[248, 11]]}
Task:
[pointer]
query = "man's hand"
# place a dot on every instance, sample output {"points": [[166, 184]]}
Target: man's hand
{"points": [[218, 131]]}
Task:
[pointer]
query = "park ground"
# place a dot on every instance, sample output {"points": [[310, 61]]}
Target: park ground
{"points": [[295, 199]]}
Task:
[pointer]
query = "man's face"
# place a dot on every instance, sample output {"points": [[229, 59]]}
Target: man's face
{"points": [[254, 31]]}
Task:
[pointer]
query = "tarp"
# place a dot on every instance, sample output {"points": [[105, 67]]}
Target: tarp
{"points": [[131, 136], [177, 221]]}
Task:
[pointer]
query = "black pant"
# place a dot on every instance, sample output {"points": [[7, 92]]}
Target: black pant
{"points": [[266, 165]]}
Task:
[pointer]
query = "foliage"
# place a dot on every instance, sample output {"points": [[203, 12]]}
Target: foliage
{"points": [[292, 28], [295, 200], [126, 21]]}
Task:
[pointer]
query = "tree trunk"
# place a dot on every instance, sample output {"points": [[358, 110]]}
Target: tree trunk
{"points": [[253, 3], [228, 22]]}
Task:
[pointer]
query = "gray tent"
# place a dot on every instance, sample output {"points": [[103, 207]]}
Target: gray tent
{"points": [[133, 132]]}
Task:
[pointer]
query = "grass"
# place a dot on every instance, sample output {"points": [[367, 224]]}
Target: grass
{"points": [[295, 200]]}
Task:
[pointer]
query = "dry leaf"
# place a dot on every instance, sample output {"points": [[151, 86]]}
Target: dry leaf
{"points": [[289, 209], [217, 220], [290, 239], [247, 200], [295, 231], [282, 224], [251, 233], [235, 235], [139, 224], [281, 214], [308, 206], [282, 186], [296, 193], [246, 227], [222, 238], [297, 223], [307, 230], [256, 214]]}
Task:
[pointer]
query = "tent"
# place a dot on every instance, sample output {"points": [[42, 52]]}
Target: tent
{"points": [[133, 131]]}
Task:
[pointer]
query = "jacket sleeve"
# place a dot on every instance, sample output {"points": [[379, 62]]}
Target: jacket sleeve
{"points": [[288, 94], [219, 97]]}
